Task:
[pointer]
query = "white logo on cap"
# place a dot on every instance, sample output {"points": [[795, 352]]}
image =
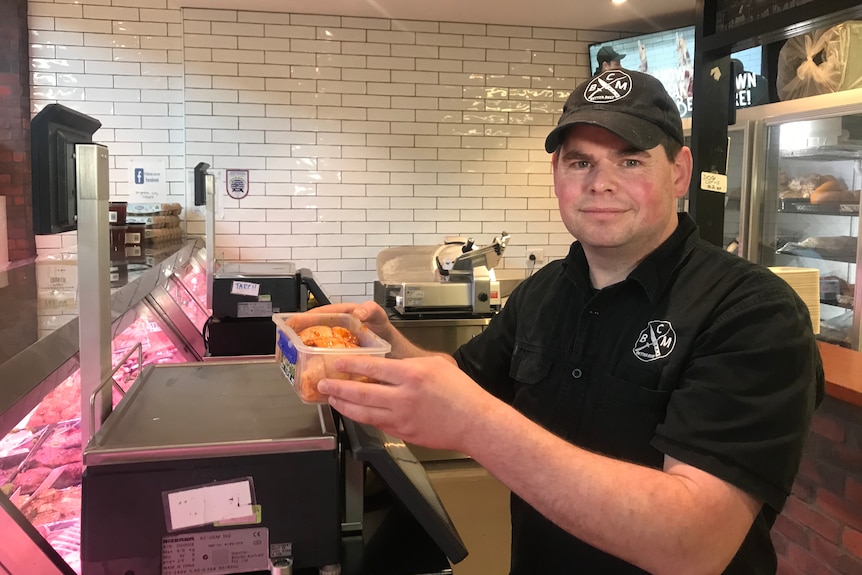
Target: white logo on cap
{"points": [[655, 341], [608, 86]]}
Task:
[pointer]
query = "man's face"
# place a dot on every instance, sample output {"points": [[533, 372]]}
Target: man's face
{"points": [[614, 199]]}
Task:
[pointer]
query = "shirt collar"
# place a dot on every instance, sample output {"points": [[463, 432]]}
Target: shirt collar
{"points": [[653, 273]]}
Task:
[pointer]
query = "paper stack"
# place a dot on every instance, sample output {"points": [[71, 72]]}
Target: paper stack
{"points": [[806, 283]]}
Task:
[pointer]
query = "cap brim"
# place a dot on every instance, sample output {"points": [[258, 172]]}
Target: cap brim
{"points": [[640, 133]]}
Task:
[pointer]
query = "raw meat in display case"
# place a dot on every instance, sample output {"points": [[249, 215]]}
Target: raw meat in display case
{"points": [[42, 477], [194, 278], [187, 301], [41, 459]]}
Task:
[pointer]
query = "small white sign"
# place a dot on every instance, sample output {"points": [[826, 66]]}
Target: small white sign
{"points": [[237, 184], [245, 288], [57, 276], [713, 182], [147, 182], [205, 505]]}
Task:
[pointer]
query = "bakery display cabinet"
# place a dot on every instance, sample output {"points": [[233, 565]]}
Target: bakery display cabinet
{"points": [[807, 175]]}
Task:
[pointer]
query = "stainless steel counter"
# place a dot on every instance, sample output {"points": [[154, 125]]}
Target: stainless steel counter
{"points": [[197, 410], [35, 354], [444, 335]]}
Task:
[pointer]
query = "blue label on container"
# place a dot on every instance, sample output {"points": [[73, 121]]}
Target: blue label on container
{"points": [[286, 347]]}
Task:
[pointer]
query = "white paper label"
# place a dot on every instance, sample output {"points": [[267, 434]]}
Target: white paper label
{"points": [[206, 505], [245, 288], [713, 182], [216, 552], [56, 276]]}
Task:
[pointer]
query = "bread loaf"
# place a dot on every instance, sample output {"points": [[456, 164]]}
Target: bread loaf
{"points": [[830, 190]]}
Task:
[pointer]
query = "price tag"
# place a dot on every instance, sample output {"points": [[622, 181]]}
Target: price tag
{"points": [[713, 182]]}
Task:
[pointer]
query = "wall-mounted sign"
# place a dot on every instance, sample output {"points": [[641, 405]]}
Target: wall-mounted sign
{"points": [[147, 182], [751, 90], [237, 183]]}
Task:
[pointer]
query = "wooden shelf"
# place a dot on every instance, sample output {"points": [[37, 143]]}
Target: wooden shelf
{"points": [[843, 369]]}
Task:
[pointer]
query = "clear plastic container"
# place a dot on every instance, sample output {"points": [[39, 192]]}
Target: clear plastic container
{"points": [[304, 366]]}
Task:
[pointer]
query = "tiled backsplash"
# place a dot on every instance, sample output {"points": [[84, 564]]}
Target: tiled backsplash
{"points": [[358, 133]]}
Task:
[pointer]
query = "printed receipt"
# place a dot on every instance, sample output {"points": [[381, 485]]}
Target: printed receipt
{"points": [[209, 504]]}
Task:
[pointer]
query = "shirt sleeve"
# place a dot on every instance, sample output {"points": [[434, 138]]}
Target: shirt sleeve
{"points": [[742, 409]]}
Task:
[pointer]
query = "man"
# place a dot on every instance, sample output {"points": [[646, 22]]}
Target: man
{"points": [[646, 398], [608, 59]]}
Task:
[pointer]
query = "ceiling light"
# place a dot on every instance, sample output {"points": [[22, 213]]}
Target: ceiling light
{"points": [[618, 1]]}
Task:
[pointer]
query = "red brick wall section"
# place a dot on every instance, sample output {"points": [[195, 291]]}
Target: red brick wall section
{"points": [[15, 182], [819, 532]]}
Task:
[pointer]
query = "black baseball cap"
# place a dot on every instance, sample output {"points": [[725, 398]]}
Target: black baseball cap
{"points": [[608, 54], [632, 105]]}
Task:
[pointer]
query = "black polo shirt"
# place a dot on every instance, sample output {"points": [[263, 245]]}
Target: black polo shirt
{"points": [[698, 354]]}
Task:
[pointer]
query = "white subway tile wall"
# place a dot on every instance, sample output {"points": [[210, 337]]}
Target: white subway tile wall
{"points": [[122, 63], [358, 133]]}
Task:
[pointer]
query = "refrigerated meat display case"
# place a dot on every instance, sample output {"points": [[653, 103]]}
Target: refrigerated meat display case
{"points": [[179, 301], [807, 175], [40, 386]]}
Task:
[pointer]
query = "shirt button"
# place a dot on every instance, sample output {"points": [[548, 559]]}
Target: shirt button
{"points": [[577, 373]]}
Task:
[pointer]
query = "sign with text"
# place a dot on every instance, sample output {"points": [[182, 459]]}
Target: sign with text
{"points": [[713, 182], [147, 183]]}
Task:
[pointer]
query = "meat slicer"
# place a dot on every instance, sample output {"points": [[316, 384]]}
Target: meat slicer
{"points": [[452, 280]]}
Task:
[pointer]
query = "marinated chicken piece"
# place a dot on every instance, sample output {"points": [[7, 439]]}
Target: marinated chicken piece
{"points": [[309, 334], [316, 368], [314, 371], [325, 336]]}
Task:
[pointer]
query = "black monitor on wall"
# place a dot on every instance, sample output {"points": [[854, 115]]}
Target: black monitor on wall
{"points": [[54, 132]]}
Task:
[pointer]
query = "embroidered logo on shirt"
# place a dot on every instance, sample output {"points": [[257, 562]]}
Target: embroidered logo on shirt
{"points": [[655, 341]]}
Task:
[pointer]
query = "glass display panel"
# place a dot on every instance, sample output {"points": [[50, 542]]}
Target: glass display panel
{"points": [[41, 458], [810, 212]]}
